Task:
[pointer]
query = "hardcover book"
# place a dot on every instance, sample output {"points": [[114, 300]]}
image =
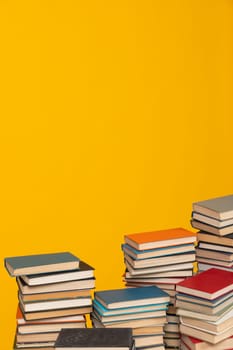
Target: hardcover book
{"points": [[223, 231], [211, 238], [208, 337], [40, 263], [95, 338], [211, 221], [84, 271], [197, 344], [220, 208], [120, 298], [208, 284], [158, 239]]}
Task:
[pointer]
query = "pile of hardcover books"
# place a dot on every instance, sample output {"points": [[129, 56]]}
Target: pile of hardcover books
{"points": [[162, 258], [141, 308], [54, 292], [214, 219], [205, 305]]}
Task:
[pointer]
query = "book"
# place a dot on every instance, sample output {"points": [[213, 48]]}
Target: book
{"points": [[158, 239], [202, 316], [165, 274], [127, 317], [208, 337], [210, 265], [165, 280], [222, 231], [55, 295], [55, 304], [220, 208], [36, 315], [216, 262], [148, 340], [211, 238], [84, 271], [155, 269], [120, 298], [213, 254], [55, 287], [215, 247], [211, 221], [205, 309], [157, 252], [197, 344], [212, 327], [102, 310], [49, 327], [160, 261], [37, 337], [40, 263], [134, 324], [202, 301], [208, 284], [92, 338]]}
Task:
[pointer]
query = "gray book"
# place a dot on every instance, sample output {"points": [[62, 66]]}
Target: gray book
{"points": [[41, 263], [220, 208], [95, 338]]}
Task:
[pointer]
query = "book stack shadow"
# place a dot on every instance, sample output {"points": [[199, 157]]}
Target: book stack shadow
{"points": [[214, 220], [163, 259], [205, 305], [54, 292], [141, 308]]}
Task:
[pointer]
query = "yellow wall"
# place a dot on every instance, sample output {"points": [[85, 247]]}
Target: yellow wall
{"points": [[115, 117]]}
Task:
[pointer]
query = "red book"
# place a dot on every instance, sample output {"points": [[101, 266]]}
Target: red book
{"points": [[209, 284], [197, 344]]}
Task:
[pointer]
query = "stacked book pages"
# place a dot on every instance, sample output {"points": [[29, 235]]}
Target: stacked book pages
{"points": [[161, 258], [141, 308], [205, 305], [54, 292], [214, 220]]}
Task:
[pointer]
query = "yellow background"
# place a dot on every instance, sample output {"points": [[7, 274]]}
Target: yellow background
{"points": [[115, 116]]}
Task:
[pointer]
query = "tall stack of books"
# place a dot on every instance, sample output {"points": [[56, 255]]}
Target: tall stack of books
{"points": [[214, 220], [141, 308], [162, 258], [205, 305], [54, 292]]}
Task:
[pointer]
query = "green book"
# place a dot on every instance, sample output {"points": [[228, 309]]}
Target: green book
{"points": [[41, 263]]}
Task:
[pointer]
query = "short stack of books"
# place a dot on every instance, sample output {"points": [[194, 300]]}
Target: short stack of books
{"points": [[162, 258], [95, 339], [214, 219], [205, 305], [54, 292], [141, 308]]}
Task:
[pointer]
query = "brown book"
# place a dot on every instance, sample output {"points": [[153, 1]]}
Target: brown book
{"points": [[57, 313]]}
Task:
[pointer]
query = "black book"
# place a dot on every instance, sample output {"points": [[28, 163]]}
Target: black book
{"points": [[95, 338]]}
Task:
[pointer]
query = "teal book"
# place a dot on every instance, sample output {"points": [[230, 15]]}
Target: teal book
{"points": [[127, 297], [41, 263], [157, 252], [103, 311]]}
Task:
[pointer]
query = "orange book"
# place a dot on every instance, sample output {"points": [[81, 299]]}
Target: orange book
{"points": [[159, 239]]}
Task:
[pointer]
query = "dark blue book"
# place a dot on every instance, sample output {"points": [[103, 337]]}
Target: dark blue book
{"points": [[127, 297]]}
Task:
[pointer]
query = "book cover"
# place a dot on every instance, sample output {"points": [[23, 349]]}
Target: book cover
{"points": [[208, 284], [92, 338], [39, 263], [119, 298], [162, 238], [84, 271], [211, 221], [220, 208]]}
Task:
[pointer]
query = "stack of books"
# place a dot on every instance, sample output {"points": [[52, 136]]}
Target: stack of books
{"points": [[54, 292], [161, 258], [95, 339], [141, 308], [214, 220], [205, 305]]}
